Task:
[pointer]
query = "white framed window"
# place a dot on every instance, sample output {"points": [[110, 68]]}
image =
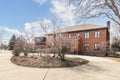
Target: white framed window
{"points": [[78, 34], [86, 34], [86, 47], [97, 46], [97, 34], [69, 36]]}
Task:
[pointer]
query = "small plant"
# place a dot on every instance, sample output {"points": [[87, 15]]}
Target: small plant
{"points": [[23, 59], [15, 53], [35, 57], [31, 56]]}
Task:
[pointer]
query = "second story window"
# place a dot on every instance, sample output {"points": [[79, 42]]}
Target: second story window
{"points": [[86, 34], [78, 35], [97, 34], [69, 36]]}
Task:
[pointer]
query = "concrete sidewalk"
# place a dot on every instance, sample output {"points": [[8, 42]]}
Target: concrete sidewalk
{"points": [[96, 69]]}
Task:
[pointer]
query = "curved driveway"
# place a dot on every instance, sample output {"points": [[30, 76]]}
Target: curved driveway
{"points": [[96, 69]]}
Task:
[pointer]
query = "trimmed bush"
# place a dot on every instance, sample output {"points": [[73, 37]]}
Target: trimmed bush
{"points": [[15, 53]]}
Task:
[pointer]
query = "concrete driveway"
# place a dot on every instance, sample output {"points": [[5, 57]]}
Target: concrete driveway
{"points": [[96, 69]]}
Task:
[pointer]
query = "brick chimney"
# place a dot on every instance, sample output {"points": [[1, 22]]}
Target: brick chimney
{"points": [[108, 25]]}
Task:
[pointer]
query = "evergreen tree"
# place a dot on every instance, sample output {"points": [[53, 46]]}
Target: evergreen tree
{"points": [[12, 42]]}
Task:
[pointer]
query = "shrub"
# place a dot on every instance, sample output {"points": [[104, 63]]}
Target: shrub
{"points": [[35, 57], [23, 59], [25, 54], [15, 53], [31, 57]]}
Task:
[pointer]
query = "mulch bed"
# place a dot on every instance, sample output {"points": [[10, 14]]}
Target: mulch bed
{"points": [[47, 61]]}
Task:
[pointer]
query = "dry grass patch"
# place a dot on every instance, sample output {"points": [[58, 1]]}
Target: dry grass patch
{"points": [[113, 58], [47, 61]]}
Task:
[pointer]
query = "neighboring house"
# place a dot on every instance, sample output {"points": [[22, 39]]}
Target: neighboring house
{"points": [[40, 42], [87, 39]]}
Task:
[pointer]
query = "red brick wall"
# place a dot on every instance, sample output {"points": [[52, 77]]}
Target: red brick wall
{"points": [[78, 45], [91, 41]]}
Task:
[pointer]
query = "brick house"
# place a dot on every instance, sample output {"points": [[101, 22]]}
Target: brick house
{"points": [[87, 39]]}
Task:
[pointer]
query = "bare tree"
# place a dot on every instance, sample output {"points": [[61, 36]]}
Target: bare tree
{"points": [[115, 31], [115, 37], [45, 28], [30, 41], [22, 44], [19, 46], [58, 43], [97, 8], [63, 44], [116, 43]]}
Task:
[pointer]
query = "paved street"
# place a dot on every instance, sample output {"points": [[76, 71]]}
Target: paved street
{"points": [[96, 69]]}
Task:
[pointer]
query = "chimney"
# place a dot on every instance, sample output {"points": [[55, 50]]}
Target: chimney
{"points": [[108, 25]]}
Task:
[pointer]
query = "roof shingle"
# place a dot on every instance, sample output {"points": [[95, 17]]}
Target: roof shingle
{"points": [[80, 28]]}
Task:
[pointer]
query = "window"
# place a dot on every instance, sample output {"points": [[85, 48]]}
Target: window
{"points": [[86, 34], [78, 34], [97, 34], [86, 47], [69, 36], [97, 46]]}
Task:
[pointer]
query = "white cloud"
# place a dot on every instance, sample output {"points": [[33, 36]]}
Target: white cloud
{"points": [[62, 11], [47, 21], [35, 27], [40, 1], [37, 23], [28, 27], [7, 32], [13, 31]]}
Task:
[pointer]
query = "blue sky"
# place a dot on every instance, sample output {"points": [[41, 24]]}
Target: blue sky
{"points": [[15, 13], [19, 16]]}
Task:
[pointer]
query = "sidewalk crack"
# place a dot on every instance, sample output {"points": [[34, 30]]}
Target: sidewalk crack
{"points": [[45, 74]]}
